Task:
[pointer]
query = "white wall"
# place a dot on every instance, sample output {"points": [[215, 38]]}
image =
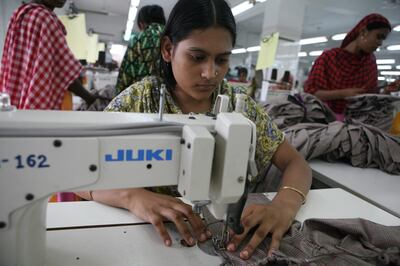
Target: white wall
{"points": [[7, 7]]}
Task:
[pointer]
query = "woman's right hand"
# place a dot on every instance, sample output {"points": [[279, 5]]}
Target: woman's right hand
{"points": [[352, 92], [155, 208]]}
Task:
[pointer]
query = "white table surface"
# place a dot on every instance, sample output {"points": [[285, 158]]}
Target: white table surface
{"points": [[373, 185], [89, 233]]}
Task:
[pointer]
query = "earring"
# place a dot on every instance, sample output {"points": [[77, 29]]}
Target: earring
{"points": [[216, 73]]}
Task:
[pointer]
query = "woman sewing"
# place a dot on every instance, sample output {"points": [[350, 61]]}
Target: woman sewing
{"points": [[351, 69], [195, 50]]}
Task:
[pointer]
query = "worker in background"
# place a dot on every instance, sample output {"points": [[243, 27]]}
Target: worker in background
{"points": [[142, 55], [351, 69], [196, 48], [38, 69]]}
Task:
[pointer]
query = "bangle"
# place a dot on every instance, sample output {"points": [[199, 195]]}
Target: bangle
{"points": [[91, 194], [303, 196]]}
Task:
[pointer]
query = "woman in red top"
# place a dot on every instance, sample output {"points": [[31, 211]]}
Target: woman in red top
{"points": [[351, 69]]}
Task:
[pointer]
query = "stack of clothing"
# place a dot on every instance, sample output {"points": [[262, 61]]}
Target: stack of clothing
{"points": [[361, 145], [372, 109], [299, 108]]}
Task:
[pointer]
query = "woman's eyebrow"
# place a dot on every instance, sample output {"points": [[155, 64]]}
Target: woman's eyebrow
{"points": [[196, 49]]}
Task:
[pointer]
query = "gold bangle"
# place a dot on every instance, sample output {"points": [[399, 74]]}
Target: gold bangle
{"points": [[303, 196]]}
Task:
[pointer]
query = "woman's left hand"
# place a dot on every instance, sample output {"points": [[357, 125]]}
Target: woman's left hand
{"points": [[274, 218]]}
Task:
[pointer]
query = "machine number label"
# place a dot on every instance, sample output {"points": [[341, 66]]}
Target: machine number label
{"points": [[31, 161]]}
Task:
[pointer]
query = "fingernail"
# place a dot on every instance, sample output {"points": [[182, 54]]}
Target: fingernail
{"points": [[167, 242], [203, 237], [231, 247], [209, 234], [244, 254], [191, 241]]}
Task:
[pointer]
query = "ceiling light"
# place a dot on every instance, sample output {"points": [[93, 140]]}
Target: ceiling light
{"points": [[393, 47], [315, 53], [313, 40], [244, 6], [385, 61], [397, 28], [253, 49], [390, 73], [239, 51], [240, 8], [381, 78], [384, 67], [131, 19], [339, 37], [398, 67], [302, 54]]}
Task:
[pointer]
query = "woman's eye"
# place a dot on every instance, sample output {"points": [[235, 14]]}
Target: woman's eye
{"points": [[197, 58], [222, 60]]}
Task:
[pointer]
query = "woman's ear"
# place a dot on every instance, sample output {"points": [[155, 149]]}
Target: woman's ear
{"points": [[363, 33], [166, 49]]}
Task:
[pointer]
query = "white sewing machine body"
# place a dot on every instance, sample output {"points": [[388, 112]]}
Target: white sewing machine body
{"points": [[43, 152]]}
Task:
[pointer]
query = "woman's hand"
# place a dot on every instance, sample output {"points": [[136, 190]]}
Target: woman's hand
{"points": [[274, 218], [352, 92], [156, 208]]}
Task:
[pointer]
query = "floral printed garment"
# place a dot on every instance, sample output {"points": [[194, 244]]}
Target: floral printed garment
{"points": [[141, 58], [143, 97]]}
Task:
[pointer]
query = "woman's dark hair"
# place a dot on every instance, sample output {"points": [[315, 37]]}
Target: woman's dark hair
{"points": [[378, 25], [189, 15], [151, 14]]}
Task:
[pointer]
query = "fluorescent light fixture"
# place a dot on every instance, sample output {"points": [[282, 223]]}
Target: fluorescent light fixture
{"points": [[253, 49], [390, 73], [313, 40], [385, 61], [302, 54], [397, 28], [381, 78], [239, 51], [393, 47], [384, 67], [315, 53], [131, 19], [244, 6], [390, 80], [398, 67], [339, 37], [240, 8]]}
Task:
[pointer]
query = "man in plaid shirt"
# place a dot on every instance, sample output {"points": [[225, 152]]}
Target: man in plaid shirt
{"points": [[37, 67]]}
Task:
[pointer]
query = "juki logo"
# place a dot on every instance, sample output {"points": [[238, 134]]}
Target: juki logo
{"points": [[140, 155]]}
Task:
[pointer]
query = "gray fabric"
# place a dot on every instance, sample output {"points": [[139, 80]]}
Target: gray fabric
{"points": [[300, 108], [353, 142], [103, 98], [372, 109], [320, 242]]}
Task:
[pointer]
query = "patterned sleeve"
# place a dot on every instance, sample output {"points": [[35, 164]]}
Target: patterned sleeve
{"points": [[269, 137], [127, 101], [317, 79]]}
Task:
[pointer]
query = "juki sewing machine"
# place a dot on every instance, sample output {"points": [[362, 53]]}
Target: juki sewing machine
{"points": [[209, 158]]}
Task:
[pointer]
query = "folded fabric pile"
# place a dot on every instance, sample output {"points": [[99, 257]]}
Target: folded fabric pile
{"points": [[362, 145], [299, 108], [372, 109]]}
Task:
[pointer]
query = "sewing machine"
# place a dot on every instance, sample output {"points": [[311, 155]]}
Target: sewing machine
{"points": [[43, 152]]}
